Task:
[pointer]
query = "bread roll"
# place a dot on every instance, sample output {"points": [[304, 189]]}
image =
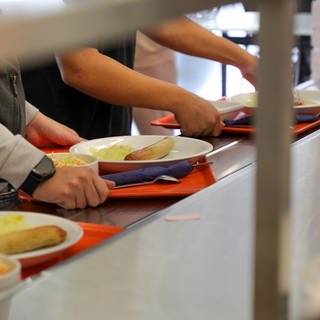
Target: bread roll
{"points": [[31, 239], [156, 150]]}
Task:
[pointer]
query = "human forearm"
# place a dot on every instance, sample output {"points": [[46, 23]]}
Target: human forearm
{"points": [[105, 79], [185, 36]]}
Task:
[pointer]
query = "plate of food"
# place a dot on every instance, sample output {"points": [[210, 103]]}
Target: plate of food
{"points": [[124, 153], [226, 106], [34, 238], [304, 101]]}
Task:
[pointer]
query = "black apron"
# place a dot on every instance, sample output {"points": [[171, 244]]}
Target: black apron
{"points": [[90, 117]]}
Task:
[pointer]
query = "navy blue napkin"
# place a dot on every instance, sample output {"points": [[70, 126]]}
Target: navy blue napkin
{"points": [[177, 170], [248, 121]]}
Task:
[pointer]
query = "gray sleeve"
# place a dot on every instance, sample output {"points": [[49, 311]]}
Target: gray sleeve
{"points": [[17, 157], [31, 112]]}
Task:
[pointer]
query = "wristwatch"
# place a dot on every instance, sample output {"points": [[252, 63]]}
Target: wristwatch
{"points": [[44, 170]]}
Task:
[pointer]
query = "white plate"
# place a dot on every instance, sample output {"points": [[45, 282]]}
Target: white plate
{"points": [[184, 149], [34, 219], [226, 106], [311, 98]]}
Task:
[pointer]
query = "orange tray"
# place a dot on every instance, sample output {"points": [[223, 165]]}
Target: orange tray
{"points": [[93, 234], [198, 179], [56, 149], [170, 122]]}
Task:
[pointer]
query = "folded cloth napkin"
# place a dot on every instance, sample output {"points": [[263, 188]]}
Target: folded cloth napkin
{"points": [[177, 170], [248, 120]]}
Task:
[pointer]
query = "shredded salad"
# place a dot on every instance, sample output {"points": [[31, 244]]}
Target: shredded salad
{"points": [[67, 161]]}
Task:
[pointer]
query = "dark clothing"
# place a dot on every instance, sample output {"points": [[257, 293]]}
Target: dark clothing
{"points": [[304, 5], [13, 118], [90, 117], [304, 45], [12, 101], [301, 6]]}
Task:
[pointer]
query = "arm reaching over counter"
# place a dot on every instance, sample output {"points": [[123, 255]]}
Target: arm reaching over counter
{"points": [[186, 36], [102, 77], [105, 83], [99, 76]]}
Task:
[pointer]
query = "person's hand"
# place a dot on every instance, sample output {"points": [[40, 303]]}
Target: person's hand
{"points": [[198, 117], [43, 131], [72, 188]]}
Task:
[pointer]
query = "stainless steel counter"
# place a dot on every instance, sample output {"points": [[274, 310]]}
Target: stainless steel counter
{"points": [[183, 270], [160, 270]]}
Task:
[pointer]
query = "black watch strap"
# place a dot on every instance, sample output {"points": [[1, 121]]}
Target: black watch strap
{"points": [[44, 170]]}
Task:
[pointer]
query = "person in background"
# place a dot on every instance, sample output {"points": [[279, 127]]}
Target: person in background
{"points": [[105, 78], [23, 166], [304, 45], [158, 62]]}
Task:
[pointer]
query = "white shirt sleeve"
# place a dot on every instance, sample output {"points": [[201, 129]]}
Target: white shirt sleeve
{"points": [[17, 157], [31, 112]]}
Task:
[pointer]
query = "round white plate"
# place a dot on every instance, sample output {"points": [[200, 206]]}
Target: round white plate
{"points": [[311, 98], [184, 149], [34, 219], [226, 106]]}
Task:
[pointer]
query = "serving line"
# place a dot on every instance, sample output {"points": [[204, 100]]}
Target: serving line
{"points": [[231, 153], [124, 212], [160, 270]]}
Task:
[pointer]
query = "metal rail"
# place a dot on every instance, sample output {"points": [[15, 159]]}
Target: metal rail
{"points": [[32, 36], [273, 157]]}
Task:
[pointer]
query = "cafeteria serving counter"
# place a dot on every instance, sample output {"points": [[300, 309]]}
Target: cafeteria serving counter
{"points": [[231, 153], [185, 270], [94, 19]]}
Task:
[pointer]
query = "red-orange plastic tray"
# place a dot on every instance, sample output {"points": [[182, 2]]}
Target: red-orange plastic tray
{"points": [[197, 180], [200, 178], [93, 234], [170, 122]]}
